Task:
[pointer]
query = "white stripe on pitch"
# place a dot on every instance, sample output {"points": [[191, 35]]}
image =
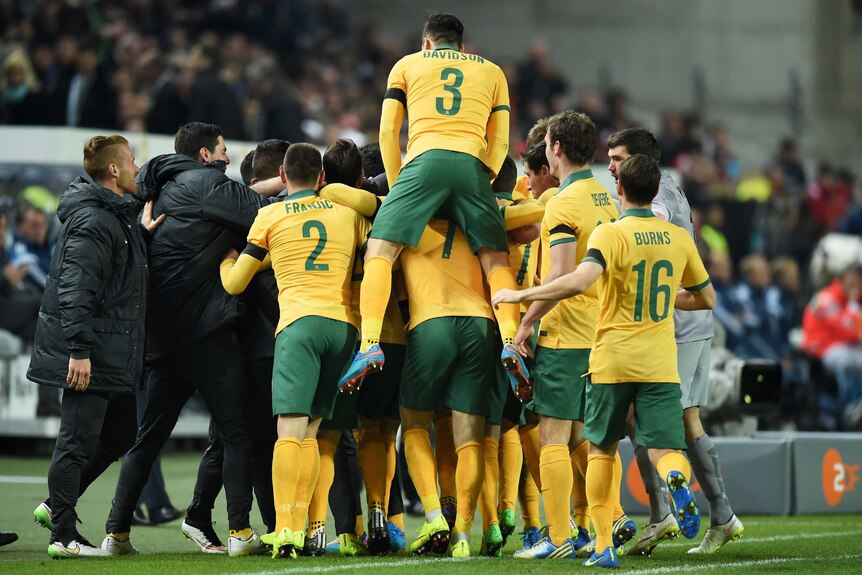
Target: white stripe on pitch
{"points": [[26, 479], [688, 568]]}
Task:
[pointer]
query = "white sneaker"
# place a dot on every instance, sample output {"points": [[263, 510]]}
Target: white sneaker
{"points": [[42, 516], [653, 534], [206, 538], [717, 535], [245, 542], [77, 548], [114, 545]]}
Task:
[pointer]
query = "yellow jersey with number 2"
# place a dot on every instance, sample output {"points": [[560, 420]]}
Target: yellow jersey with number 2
{"points": [[312, 243]]}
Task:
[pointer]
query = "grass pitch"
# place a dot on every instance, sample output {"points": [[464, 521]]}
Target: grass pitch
{"points": [[825, 544]]}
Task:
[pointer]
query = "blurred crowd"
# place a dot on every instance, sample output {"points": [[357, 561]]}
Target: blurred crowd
{"points": [[308, 70]]}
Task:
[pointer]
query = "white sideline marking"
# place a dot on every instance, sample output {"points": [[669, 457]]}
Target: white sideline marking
{"points": [[366, 564], [756, 563], [769, 539], [28, 479]]}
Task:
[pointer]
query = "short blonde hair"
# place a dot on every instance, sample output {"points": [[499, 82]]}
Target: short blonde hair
{"points": [[100, 152]]}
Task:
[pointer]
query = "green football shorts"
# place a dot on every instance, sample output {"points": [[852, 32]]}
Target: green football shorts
{"points": [[448, 364], [311, 355], [442, 183], [558, 388], [658, 414]]}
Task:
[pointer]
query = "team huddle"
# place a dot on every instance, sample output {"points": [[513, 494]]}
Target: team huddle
{"points": [[529, 322]]}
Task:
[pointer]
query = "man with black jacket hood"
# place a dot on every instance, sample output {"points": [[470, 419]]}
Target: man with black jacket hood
{"points": [[191, 343], [90, 333]]}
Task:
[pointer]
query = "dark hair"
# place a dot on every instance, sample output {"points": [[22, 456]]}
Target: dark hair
{"points": [[536, 135], [193, 136], [342, 163], [576, 134], [268, 156], [372, 160], [639, 178], [636, 141], [507, 177], [100, 152], [302, 164], [246, 170], [442, 28], [535, 157], [23, 209]]}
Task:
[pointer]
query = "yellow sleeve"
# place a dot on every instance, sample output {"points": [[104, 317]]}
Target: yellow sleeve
{"points": [[391, 118], [363, 228], [259, 232], [235, 274], [498, 126], [695, 277], [562, 227], [363, 202], [600, 246], [523, 213], [547, 195]]}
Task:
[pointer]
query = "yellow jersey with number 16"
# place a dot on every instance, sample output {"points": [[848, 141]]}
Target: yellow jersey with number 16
{"points": [[645, 260], [312, 243]]}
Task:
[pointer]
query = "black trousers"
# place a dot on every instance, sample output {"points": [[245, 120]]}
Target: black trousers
{"points": [[96, 429], [345, 499], [261, 425], [154, 494], [213, 367]]}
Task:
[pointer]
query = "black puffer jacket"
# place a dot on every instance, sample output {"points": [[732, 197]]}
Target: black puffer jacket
{"points": [[208, 213], [95, 298]]}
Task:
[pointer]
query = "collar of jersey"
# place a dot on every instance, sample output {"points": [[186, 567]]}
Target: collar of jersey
{"points": [[301, 194], [574, 177], [638, 213], [446, 48]]}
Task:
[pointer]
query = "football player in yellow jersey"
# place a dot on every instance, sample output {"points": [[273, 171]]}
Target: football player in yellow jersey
{"points": [[374, 410], [502, 447], [640, 263], [312, 243], [566, 333], [450, 353], [458, 110], [542, 185]]}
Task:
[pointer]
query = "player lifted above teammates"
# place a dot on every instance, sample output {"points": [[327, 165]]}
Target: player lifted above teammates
{"points": [[458, 109], [639, 277]]}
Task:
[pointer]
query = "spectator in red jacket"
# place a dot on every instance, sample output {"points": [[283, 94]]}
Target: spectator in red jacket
{"points": [[831, 333]]}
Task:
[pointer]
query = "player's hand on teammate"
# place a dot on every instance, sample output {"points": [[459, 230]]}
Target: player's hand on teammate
{"points": [[147, 218], [78, 377], [231, 254], [506, 296], [523, 337]]}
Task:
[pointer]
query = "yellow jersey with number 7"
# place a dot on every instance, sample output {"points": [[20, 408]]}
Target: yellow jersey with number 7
{"points": [[312, 243], [449, 97], [645, 261]]}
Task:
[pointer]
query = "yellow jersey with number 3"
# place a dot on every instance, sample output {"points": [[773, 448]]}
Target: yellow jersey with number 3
{"points": [[645, 261], [579, 206], [443, 277], [449, 97], [312, 243]]}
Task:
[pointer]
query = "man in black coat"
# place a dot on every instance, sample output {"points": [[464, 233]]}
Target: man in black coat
{"points": [[256, 334], [90, 332], [191, 342]]}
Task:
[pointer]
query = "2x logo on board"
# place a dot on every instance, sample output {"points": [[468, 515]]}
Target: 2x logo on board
{"points": [[838, 477]]}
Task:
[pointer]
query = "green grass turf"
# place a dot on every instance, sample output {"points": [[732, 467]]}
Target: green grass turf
{"points": [[825, 544]]}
